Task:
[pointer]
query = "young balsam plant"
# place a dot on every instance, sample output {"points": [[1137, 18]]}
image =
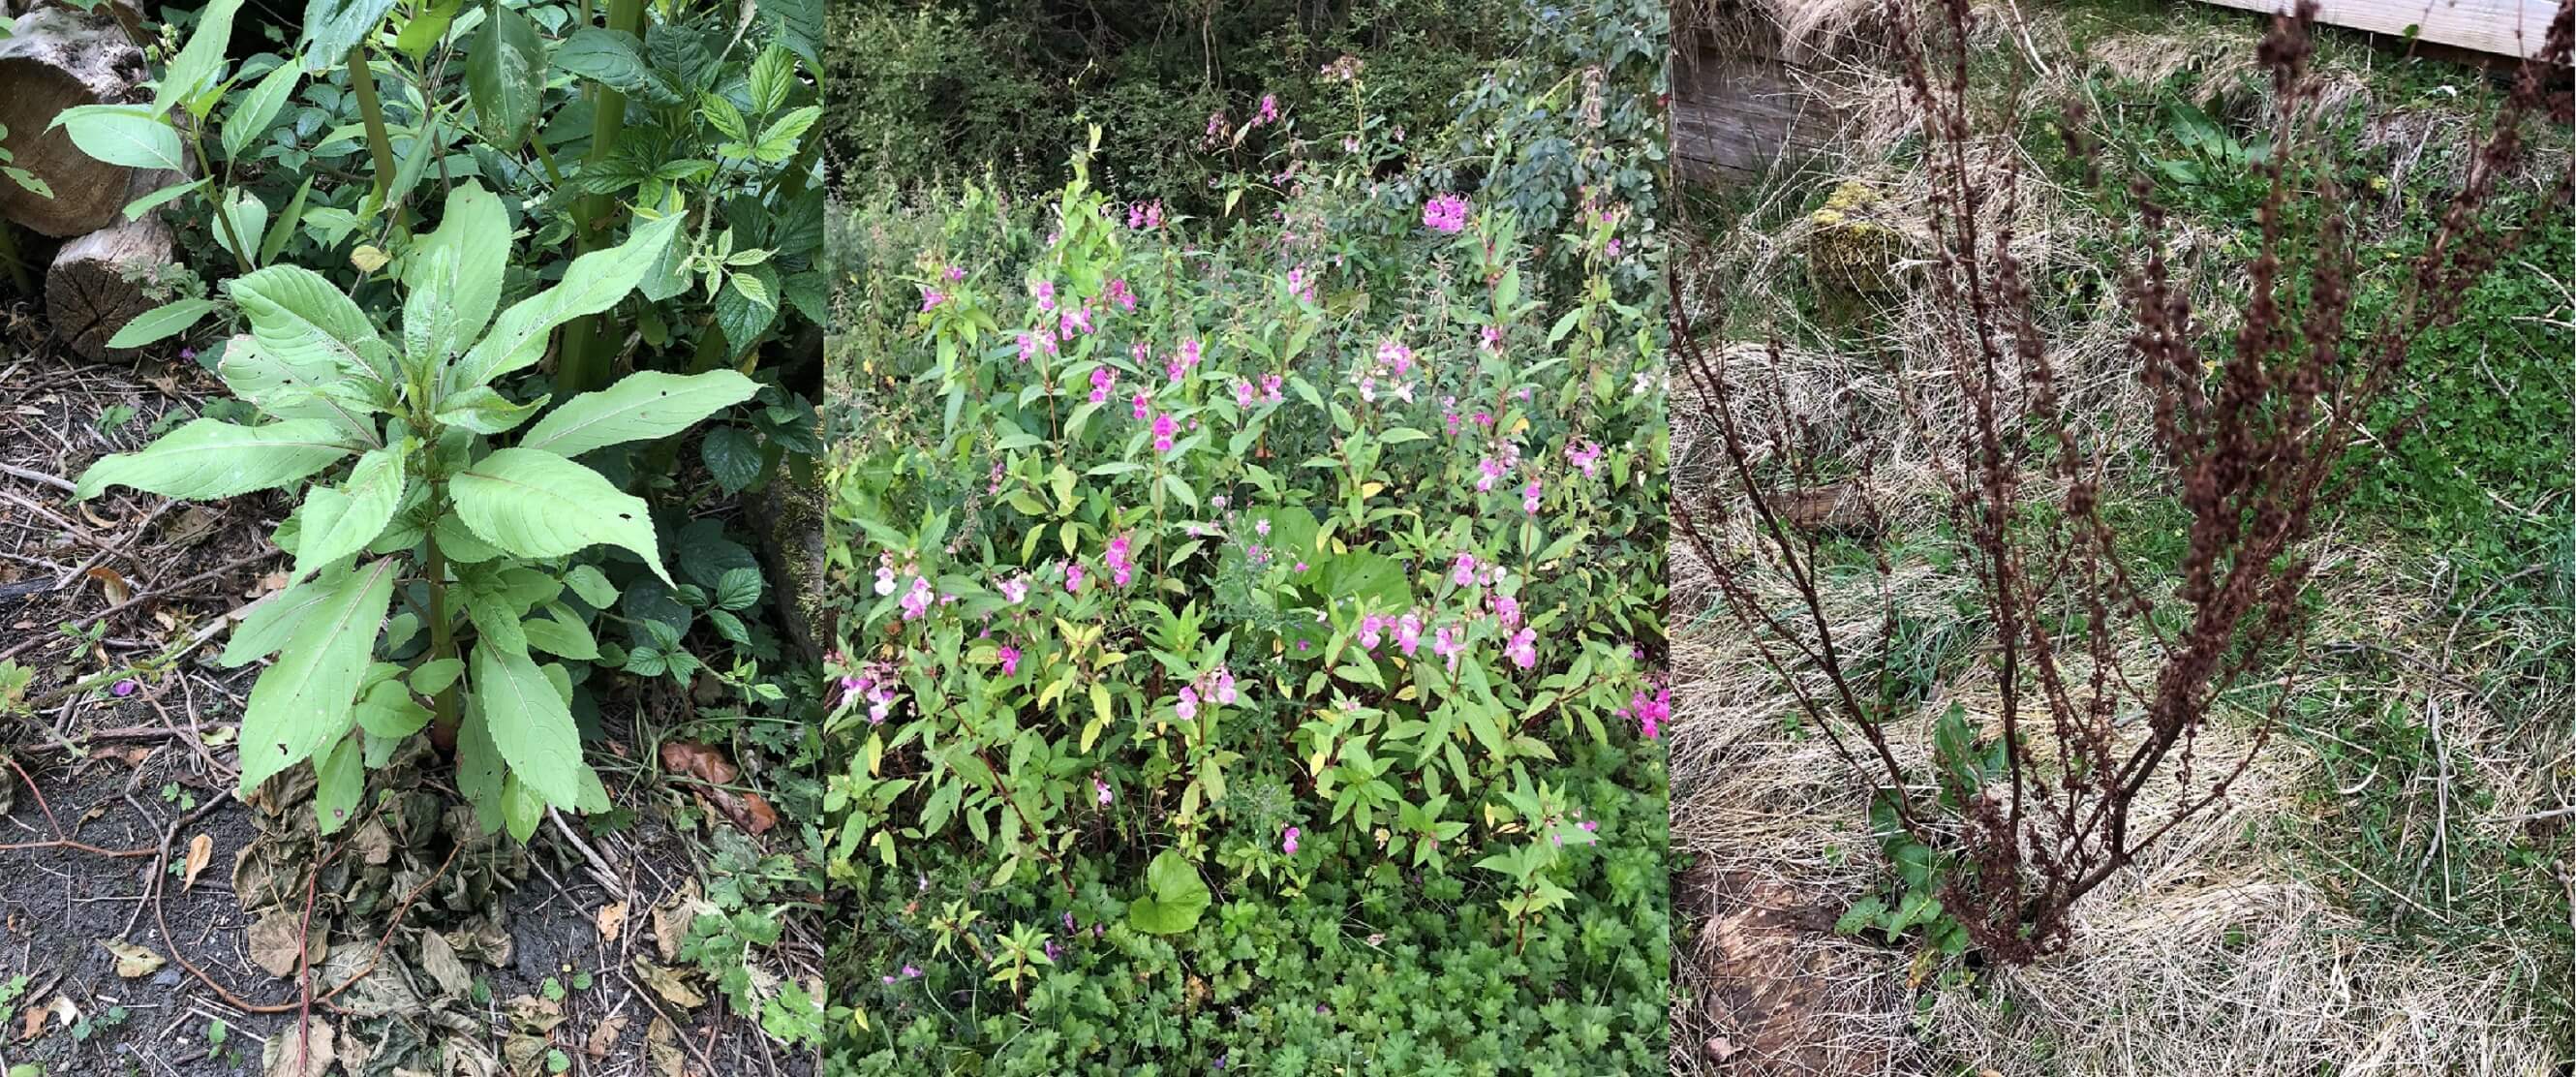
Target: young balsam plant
{"points": [[2089, 749], [483, 543]]}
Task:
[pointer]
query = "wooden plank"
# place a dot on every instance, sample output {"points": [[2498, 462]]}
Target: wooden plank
{"points": [[2502, 27], [1735, 119]]}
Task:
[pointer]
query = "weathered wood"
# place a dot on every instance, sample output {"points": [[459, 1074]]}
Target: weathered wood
{"points": [[2502, 27], [55, 59], [100, 281], [1737, 117]]}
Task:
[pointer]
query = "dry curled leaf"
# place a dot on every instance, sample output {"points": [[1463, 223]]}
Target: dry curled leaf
{"points": [[612, 921], [698, 761], [277, 946], [604, 1037], [132, 960], [669, 983], [200, 849], [112, 584]]}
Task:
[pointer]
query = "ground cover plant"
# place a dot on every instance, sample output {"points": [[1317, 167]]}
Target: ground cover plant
{"points": [[513, 306], [2163, 498], [1253, 622]]}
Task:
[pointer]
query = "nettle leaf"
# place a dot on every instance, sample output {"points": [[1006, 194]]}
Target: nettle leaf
{"points": [[475, 229], [646, 404], [1178, 896], [615, 59], [304, 320], [210, 458], [506, 76], [305, 700], [593, 283], [333, 27], [732, 455], [538, 504], [529, 723], [343, 520]]}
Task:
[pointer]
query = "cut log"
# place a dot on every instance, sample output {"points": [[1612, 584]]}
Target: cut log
{"points": [[102, 280], [55, 59]]}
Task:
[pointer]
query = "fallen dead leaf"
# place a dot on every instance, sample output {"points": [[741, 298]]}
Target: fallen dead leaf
{"points": [[112, 584], [662, 1048], [439, 960], [274, 943], [604, 1037], [132, 960], [612, 921], [200, 850], [299, 1053], [698, 761], [669, 983]]}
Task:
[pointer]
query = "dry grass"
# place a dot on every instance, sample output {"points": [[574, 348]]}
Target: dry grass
{"points": [[2232, 948]]}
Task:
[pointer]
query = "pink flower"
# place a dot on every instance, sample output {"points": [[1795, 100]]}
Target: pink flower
{"points": [[1101, 789], [1269, 110], [1163, 429], [1445, 214], [1288, 841], [1243, 395], [1489, 469], [1045, 292], [916, 602], [1585, 459], [954, 274], [1651, 711], [1011, 660], [1529, 498], [1103, 380], [1448, 644], [1015, 590], [1075, 319], [1188, 708], [1270, 384], [1523, 650], [1225, 687], [1121, 569], [931, 297], [1073, 578], [1119, 294], [1463, 571], [1408, 634], [1369, 628]]}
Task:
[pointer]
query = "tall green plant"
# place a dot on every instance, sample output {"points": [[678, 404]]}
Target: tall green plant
{"points": [[480, 540]]}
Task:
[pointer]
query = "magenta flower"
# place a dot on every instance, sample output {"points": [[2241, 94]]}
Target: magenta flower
{"points": [[1288, 841], [1369, 628], [1529, 498], [1011, 660], [1188, 708], [1225, 687], [124, 688], [1523, 650], [1585, 459], [1408, 634], [1103, 380], [1045, 292], [1163, 429], [1119, 294], [1445, 214], [1100, 789], [1073, 578], [916, 602], [1121, 569], [1269, 110], [931, 297], [1015, 591], [1140, 404], [1463, 571]]}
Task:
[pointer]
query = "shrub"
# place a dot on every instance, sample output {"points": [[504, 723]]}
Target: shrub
{"points": [[1208, 575]]}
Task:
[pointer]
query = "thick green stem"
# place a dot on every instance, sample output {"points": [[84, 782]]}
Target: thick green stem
{"points": [[371, 110], [442, 642], [584, 360]]}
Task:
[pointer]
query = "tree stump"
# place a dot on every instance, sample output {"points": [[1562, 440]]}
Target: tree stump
{"points": [[56, 59], [102, 280]]}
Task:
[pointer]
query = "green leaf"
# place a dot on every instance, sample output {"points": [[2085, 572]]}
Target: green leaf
{"points": [[291, 391], [732, 455], [613, 58], [248, 217], [283, 229], [333, 27], [592, 585], [485, 411], [343, 782], [426, 29], [593, 283], [339, 521], [1178, 897], [475, 228], [538, 504], [199, 63], [134, 210], [521, 809], [646, 404], [128, 135], [432, 677], [271, 621], [259, 108], [210, 458], [506, 76], [161, 322], [389, 711], [306, 321], [307, 698], [529, 723], [561, 634]]}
